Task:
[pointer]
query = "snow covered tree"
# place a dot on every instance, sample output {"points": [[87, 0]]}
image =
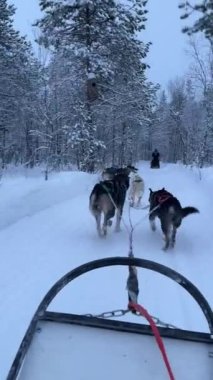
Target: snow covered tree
{"points": [[202, 74], [177, 131], [17, 94], [204, 22], [98, 40], [192, 121], [159, 130]]}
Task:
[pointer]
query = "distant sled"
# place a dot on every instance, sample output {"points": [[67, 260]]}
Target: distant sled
{"points": [[155, 164], [59, 346]]}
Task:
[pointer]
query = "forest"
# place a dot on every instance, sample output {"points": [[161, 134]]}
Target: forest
{"points": [[85, 100]]}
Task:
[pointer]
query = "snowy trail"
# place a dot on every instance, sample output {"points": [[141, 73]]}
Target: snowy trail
{"points": [[47, 230], [22, 198]]}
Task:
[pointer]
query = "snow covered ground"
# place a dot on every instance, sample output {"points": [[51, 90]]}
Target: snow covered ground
{"points": [[46, 230]]}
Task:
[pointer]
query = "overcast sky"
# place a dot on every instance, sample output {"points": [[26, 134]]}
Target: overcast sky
{"points": [[167, 56]]}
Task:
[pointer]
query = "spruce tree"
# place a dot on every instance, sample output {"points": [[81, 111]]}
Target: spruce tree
{"points": [[17, 90], [204, 23], [98, 39]]}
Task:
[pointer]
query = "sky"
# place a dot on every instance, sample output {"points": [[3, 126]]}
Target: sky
{"points": [[167, 57], [46, 229]]}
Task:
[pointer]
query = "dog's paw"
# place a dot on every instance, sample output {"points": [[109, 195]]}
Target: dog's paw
{"points": [[104, 234], [166, 247]]}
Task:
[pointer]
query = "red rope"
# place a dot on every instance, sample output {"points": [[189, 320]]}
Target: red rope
{"points": [[144, 313]]}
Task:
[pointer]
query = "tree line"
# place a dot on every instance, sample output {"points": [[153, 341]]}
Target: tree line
{"points": [[90, 103]]}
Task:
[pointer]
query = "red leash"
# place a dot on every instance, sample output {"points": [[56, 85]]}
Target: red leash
{"points": [[144, 313]]}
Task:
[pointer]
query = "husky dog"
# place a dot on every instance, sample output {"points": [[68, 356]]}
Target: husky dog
{"points": [[136, 190], [106, 197], [168, 209], [109, 173]]}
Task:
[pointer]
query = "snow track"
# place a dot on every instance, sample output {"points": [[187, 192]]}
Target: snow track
{"points": [[46, 230]]}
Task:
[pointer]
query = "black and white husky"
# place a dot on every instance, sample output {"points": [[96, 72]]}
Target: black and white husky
{"points": [[168, 209], [107, 197]]}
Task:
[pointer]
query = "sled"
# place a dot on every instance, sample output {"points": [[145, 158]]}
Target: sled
{"points": [[61, 346], [155, 164]]}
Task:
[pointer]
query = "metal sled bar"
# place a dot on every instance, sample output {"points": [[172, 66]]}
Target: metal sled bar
{"points": [[110, 261], [135, 328], [126, 261]]}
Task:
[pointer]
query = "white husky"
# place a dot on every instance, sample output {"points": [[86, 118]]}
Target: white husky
{"points": [[136, 190]]}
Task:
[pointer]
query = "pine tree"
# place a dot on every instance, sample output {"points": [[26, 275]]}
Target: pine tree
{"points": [[177, 130], [99, 40], [17, 90], [159, 136], [204, 22]]}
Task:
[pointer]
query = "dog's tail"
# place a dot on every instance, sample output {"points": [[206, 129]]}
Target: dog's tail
{"points": [[188, 210], [93, 200]]}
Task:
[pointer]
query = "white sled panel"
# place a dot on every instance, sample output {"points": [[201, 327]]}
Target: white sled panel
{"points": [[64, 351]]}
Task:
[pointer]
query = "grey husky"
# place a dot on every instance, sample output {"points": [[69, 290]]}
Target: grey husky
{"points": [[168, 209]]}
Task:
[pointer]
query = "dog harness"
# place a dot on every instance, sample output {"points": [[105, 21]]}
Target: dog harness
{"points": [[163, 197]]}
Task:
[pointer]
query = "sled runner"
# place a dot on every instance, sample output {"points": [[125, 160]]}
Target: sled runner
{"points": [[68, 346]]}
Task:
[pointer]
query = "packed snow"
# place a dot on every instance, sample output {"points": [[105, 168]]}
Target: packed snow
{"points": [[46, 230]]}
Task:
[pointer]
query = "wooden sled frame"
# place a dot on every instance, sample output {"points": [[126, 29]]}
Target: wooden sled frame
{"points": [[43, 315]]}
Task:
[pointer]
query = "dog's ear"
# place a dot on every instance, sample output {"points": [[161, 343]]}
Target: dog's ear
{"points": [[131, 167], [150, 190], [163, 188]]}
